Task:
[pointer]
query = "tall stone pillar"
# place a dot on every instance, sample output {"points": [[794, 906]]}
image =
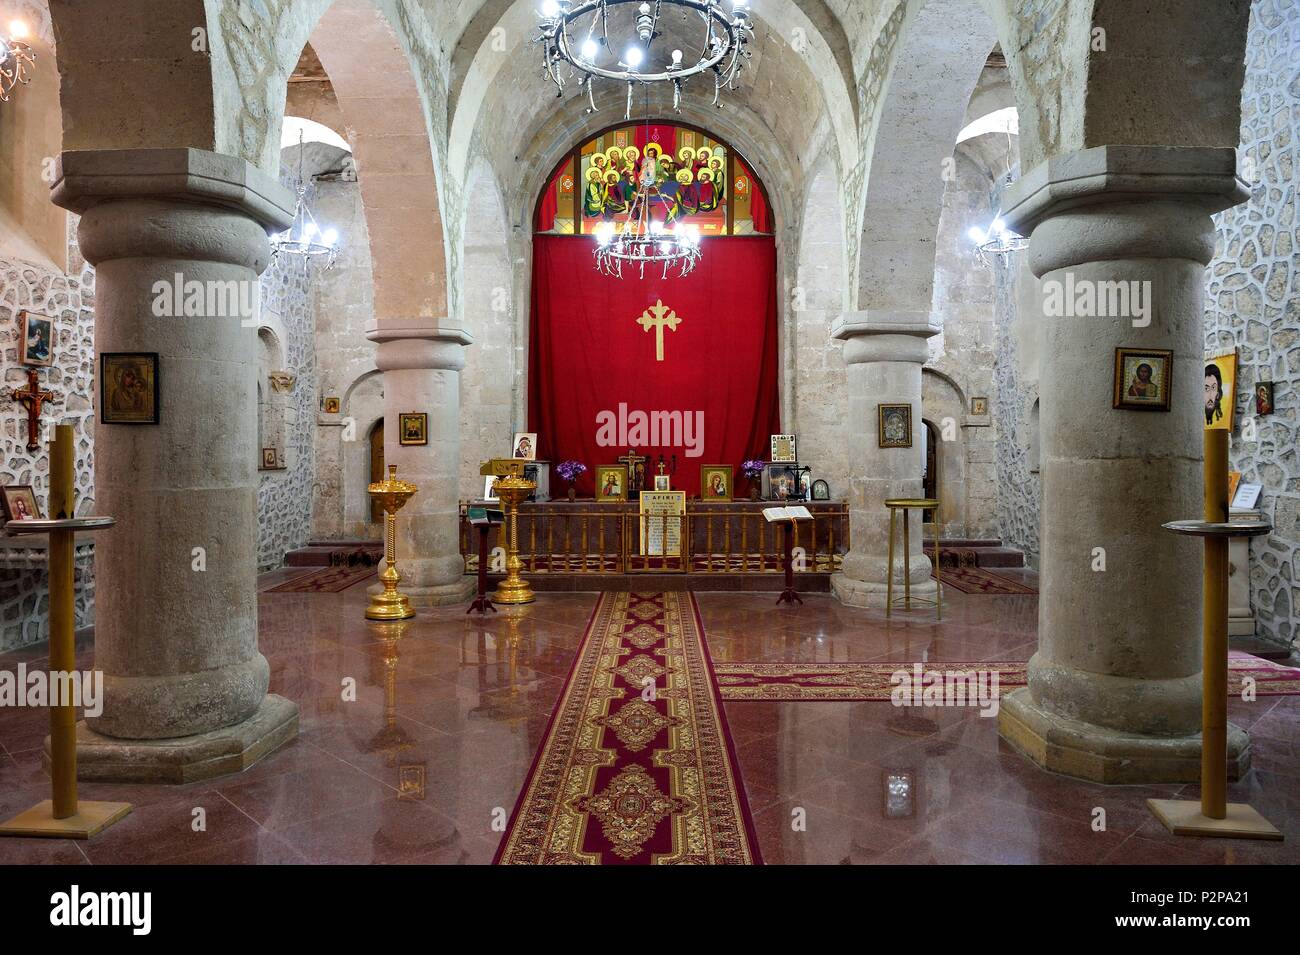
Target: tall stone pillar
{"points": [[1114, 690], [176, 596], [421, 362], [884, 352]]}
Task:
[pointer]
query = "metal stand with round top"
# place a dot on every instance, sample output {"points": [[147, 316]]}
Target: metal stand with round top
{"points": [[906, 504], [62, 816], [1214, 815]]}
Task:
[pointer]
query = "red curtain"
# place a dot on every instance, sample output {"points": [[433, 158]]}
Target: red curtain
{"points": [[664, 135], [758, 207], [547, 208], [595, 379]]}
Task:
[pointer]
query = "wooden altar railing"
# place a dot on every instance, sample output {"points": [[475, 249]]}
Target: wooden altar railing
{"points": [[589, 538]]}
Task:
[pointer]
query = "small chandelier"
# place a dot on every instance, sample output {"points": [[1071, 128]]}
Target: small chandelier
{"points": [[997, 243], [16, 59], [640, 240], [577, 33], [305, 239]]}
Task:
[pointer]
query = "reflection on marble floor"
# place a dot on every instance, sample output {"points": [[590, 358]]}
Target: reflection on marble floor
{"points": [[425, 764]]}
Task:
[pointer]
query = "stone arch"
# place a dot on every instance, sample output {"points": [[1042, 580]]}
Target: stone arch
{"points": [[363, 408], [941, 50], [814, 376], [32, 229], [493, 372], [943, 403], [385, 115]]}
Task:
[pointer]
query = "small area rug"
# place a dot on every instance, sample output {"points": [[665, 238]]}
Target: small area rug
{"points": [[981, 580]]}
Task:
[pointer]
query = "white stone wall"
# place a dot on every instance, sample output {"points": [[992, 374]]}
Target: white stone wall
{"points": [[70, 299], [284, 496], [1253, 304]]}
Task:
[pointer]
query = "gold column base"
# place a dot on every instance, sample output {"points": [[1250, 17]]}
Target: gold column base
{"points": [[1183, 817], [389, 605], [90, 819], [517, 591]]}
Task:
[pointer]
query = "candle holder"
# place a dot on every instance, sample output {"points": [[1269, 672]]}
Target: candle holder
{"points": [[512, 490], [391, 494]]}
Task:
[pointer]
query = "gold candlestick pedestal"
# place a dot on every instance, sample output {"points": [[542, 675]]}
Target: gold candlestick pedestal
{"points": [[512, 490], [391, 494]]}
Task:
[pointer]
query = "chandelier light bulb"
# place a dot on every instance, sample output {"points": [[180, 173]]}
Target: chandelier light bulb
{"points": [[634, 56], [17, 29], [550, 8], [976, 234], [590, 49], [677, 57], [330, 237]]}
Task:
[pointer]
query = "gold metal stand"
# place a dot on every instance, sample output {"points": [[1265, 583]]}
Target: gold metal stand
{"points": [[896, 504], [1214, 815], [512, 491], [391, 495], [63, 817]]}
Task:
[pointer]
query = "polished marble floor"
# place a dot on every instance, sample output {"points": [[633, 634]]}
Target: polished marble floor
{"points": [[424, 761]]}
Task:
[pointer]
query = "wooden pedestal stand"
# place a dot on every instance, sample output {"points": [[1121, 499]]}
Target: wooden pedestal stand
{"points": [[789, 595], [482, 603], [1214, 815], [62, 816]]}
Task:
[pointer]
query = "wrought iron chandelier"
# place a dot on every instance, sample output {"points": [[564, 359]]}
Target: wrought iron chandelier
{"points": [[16, 59], [304, 239], [588, 39], [640, 241], [997, 243]]}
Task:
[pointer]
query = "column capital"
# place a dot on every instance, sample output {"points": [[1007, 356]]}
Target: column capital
{"points": [[879, 335], [432, 329], [1107, 174], [85, 178]]}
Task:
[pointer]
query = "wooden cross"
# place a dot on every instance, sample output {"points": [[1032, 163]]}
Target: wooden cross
{"points": [[632, 459], [658, 317], [32, 398]]}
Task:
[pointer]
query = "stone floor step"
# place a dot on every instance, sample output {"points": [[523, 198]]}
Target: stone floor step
{"points": [[988, 553]]}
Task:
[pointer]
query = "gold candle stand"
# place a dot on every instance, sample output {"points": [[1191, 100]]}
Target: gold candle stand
{"points": [[391, 494], [63, 816], [1214, 815], [512, 490]]}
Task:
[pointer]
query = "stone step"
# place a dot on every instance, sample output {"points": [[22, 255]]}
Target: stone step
{"points": [[321, 553], [988, 553]]}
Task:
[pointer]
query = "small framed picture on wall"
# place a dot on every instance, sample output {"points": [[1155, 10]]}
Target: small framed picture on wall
{"points": [[894, 422], [413, 428], [784, 449], [128, 388], [36, 346], [1142, 379]]}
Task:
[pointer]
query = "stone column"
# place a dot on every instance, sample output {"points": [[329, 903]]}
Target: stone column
{"points": [[884, 352], [176, 596], [421, 362], [1114, 690]]}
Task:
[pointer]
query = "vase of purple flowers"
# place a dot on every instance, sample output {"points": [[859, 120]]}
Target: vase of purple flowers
{"points": [[569, 471], [753, 470]]}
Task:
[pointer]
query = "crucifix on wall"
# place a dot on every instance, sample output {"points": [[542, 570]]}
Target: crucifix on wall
{"points": [[33, 399], [635, 471]]}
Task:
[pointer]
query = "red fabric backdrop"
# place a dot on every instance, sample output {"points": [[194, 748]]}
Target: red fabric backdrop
{"points": [[588, 354]]}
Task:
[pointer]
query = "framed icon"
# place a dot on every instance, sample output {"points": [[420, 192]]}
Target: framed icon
{"points": [[1263, 398], [895, 425], [128, 388], [36, 347], [270, 460], [979, 407], [663, 482], [490, 487], [611, 482], [715, 482], [413, 428], [525, 446], [330, 405], [19, 502], [1220, 390], [1142, 379], [821, 491], [784, 449]]}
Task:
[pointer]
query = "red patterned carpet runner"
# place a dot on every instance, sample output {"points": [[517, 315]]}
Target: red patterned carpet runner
{"points": [[980, 580], [626, 776], [328, 580], [870, 682]]}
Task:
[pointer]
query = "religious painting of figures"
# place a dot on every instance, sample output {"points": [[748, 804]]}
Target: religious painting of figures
{"points": [[783, 449], [413, 428], [36, 346], [821, 491], [525, 446], [270, 460], [329, 405], [128, 388], [490, 487], [979, 407], [20, 503], [1142, 379], [715, 482], [782, 483], [691, 178], [895, 425], [1263, 398], [1220, 390], [611, 482]]}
